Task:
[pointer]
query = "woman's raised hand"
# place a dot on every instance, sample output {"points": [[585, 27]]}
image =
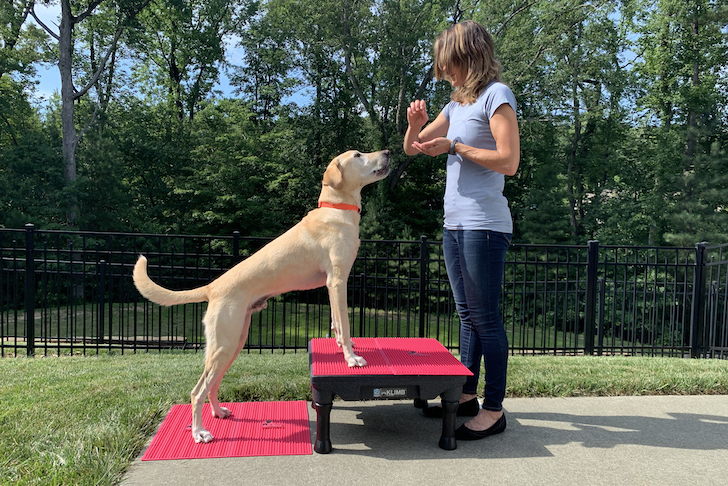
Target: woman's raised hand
{"points": [[417, 114]]}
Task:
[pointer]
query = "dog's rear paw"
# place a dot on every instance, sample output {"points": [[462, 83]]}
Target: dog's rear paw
{"points": [[222, 413], [203, 436]]}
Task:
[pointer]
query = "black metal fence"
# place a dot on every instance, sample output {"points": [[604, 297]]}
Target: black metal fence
{"points": [[67, 292]]}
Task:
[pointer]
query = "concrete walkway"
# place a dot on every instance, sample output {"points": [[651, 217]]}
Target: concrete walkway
{"points": [[665, 440]]}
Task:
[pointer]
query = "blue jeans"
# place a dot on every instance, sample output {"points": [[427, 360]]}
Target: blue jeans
{"points": [[475, 261]]}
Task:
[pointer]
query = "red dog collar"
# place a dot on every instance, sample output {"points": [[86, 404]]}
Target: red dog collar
{"points": [[348, 207]]}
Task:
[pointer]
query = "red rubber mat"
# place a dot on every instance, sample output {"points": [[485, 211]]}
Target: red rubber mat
{"points": [[253, 429], [386, 356]]}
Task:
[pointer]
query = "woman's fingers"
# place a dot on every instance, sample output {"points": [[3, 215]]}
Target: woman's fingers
{"points": [[417, 112]]}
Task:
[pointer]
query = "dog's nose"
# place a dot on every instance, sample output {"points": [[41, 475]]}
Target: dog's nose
{"points": [[385, 153]]}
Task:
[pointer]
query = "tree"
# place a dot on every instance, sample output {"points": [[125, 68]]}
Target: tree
{"points": [[684, 62], [265, 76], [622, 111], [18, 55], [125, 11], [29, 167], [230, 185], [19, 42], [571, 88], [182, 47], [31, 182]]}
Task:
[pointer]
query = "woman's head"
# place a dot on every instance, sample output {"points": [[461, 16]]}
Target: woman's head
{"points": [[464, 55]]}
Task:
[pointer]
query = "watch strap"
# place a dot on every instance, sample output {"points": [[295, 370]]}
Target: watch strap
{"points": [[452, 146]]}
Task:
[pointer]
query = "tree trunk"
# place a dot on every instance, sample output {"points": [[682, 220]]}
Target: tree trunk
{"points": [[70, 136], [574, 168], [692, 116]]}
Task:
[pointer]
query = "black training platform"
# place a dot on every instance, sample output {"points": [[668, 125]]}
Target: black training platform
{"points": [[397, 368]]}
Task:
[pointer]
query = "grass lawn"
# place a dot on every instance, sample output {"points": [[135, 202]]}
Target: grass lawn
{"points": [[82, 420]]}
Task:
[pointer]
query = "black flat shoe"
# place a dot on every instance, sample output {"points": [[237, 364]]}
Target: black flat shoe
{"points": [[465, 409], [464, 433]]}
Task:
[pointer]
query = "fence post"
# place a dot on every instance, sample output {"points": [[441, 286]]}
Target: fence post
{"points": [[30, 290], [600, 316], [592, 260], [102, 301], [423, 282], [362, 298], [236, 247], [712, 333], [696, 316]]}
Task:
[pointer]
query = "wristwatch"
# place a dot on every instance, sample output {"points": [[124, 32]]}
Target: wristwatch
{"points": [[452, 146]]}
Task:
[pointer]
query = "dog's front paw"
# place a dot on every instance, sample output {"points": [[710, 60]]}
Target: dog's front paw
{"points": [[203, 436], [355, 361], [221, 413]]}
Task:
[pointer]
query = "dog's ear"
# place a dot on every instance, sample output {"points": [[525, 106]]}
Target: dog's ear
{"points": [[333, 176]]}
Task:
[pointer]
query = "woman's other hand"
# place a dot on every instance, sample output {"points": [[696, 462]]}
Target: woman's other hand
{"points": [[436, 146]]}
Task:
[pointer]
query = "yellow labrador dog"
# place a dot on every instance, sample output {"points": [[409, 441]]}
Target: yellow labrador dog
{"points": [[319, 250]]}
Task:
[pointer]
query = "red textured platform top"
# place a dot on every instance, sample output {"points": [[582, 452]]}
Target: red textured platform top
{"points": [[386, 356]]}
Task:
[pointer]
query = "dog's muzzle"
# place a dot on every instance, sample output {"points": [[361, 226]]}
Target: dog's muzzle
{"points": [[383, 172]]}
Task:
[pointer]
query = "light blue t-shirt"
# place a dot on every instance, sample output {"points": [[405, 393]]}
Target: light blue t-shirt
{"points": [[473, 194]]}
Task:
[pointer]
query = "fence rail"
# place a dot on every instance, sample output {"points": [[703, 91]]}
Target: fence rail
{"points": [[67, 292]]}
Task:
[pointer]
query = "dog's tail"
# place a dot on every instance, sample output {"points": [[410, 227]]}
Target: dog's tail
{"points": [[160, 295]]}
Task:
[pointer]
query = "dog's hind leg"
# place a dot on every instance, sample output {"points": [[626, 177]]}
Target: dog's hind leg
{"points": [[219, 355], [217, 410], [216, 363], [199, 434]]}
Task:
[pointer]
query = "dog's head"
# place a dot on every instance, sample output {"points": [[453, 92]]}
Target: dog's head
{"points": [[354, 169]]}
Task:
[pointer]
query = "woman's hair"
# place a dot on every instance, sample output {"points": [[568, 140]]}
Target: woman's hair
{"points": [[467, 46]]}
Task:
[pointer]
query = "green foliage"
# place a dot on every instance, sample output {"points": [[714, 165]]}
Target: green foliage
{"points": [[31, 169], [19, 42], [537, 194], [233, 167], [680, 89]]}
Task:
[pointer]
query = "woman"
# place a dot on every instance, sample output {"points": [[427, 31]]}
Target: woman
{"points": [[478, 130]]}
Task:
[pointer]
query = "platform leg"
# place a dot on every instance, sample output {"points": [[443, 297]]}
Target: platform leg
{"points": [[322, 403], [450, 402], [323, 423], [420, 403]]}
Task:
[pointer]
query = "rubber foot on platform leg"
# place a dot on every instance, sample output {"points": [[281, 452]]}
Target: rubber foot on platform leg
{"points": [[448, 443], [323, 446], [420, 403]]}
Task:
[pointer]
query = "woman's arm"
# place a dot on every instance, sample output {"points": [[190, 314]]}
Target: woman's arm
{"points": [[417, 118], [504, 159], [507, 155]]}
